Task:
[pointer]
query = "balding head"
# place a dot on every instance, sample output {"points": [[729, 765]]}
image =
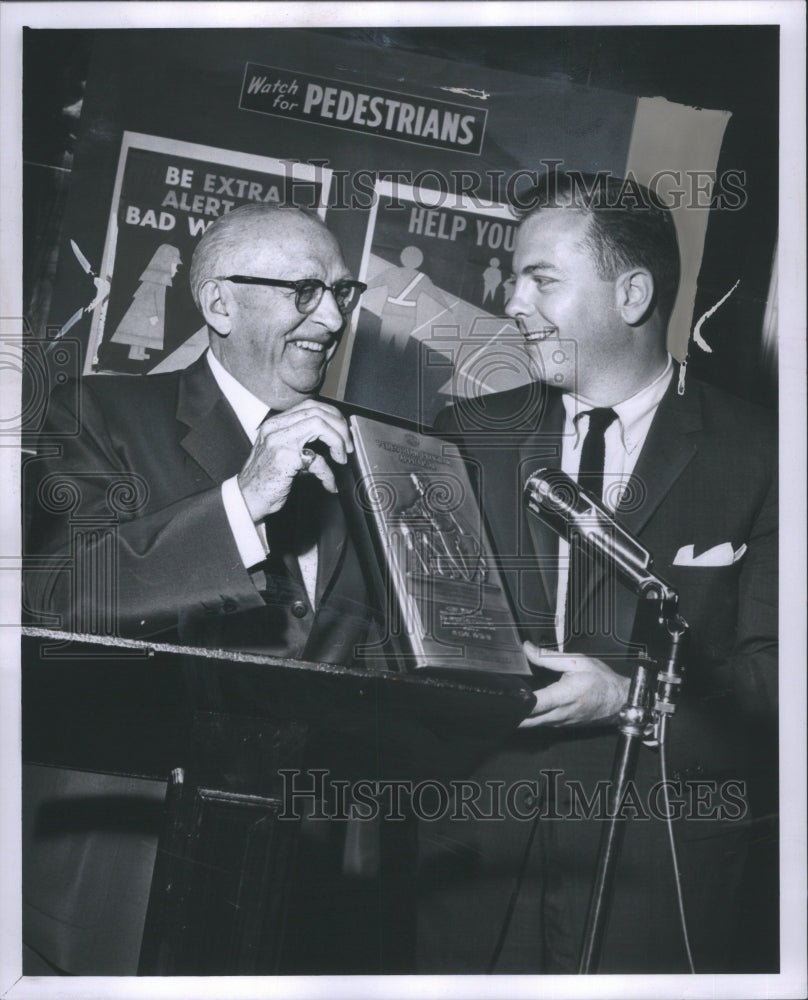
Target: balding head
{"points": [[230, 244]]}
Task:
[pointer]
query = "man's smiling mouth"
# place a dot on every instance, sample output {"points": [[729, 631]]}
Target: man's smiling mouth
{"points": [[310, 345], [533, 336]]}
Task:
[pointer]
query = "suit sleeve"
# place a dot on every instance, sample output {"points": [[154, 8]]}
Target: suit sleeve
{"points": [[753, 664], [104, 556]]}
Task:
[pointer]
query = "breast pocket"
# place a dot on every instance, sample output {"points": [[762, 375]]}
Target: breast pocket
{"points": [[708, 601]]}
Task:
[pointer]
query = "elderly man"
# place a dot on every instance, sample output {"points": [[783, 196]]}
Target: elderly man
{"points": [[232, 535], [226, 532], [693, 475]]}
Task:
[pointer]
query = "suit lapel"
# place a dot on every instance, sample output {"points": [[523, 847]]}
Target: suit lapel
{"points": [[667, 451], [215, 439], [217, 442]]}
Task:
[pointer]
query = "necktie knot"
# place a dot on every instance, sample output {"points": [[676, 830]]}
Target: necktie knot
{"points": [[600, 419]]}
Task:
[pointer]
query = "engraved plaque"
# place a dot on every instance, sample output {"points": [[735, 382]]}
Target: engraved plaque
{"points": [[448, 607]]}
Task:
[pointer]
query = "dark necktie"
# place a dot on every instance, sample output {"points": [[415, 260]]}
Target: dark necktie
{"points": [[294, 529], [590, 477], [593, 451], [291, 531]]}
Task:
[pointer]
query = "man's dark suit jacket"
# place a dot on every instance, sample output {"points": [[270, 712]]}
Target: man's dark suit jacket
{"points": [[150, 455], [707, 475], [134, 473]]}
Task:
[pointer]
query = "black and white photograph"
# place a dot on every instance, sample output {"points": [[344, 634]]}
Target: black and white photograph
{"points": [[403, 538]]}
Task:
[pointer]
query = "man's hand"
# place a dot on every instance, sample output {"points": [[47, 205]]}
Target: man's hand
{"points": [[587, 691], [282, 451]]}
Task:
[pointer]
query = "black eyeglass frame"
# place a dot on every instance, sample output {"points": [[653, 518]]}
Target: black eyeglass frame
{"points": [[299, 287]]}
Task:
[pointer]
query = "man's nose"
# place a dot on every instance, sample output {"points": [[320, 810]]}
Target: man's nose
{"points": [[519, 304], [328, 314]]}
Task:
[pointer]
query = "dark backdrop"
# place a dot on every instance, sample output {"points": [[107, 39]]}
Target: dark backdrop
{"points": [[731, 68]]}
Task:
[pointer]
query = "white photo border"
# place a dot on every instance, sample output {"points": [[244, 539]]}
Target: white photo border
{"points": [[791, 981]]}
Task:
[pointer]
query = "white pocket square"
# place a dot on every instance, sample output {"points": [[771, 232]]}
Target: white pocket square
{"points": [[718, 555]]}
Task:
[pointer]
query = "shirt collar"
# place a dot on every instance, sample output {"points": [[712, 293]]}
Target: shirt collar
{"points": [[633, 414], [251, 412]]}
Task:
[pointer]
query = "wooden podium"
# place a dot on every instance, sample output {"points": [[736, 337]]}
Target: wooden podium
{"points": [[246, 880]]}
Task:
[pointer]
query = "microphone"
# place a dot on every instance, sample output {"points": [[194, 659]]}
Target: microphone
{"points": [[574, 513]]}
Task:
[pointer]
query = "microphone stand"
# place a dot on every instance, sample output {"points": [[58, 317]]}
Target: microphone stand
{"points": [[574, 513], [664, 634]]}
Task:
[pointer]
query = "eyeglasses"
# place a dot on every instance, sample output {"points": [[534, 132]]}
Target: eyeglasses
{"points": [[309, 291]]}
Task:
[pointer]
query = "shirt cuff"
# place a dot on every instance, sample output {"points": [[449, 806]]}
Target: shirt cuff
{"points": [[250, 537]]}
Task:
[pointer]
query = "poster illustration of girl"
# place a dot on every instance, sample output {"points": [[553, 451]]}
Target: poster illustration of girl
{"points": [[143, 324]]}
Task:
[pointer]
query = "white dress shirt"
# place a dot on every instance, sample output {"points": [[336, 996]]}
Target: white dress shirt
{"points": [[623, 439], [251, 538]]}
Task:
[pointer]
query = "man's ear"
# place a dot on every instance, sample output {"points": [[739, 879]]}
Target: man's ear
{"points": [[635, 295], [217, 305]]}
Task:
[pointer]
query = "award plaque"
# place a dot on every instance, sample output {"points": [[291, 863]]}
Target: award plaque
{"points": [[447, 606]]}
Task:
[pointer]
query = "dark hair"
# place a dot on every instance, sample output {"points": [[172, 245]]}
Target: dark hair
{"points": [[630, 226]]}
